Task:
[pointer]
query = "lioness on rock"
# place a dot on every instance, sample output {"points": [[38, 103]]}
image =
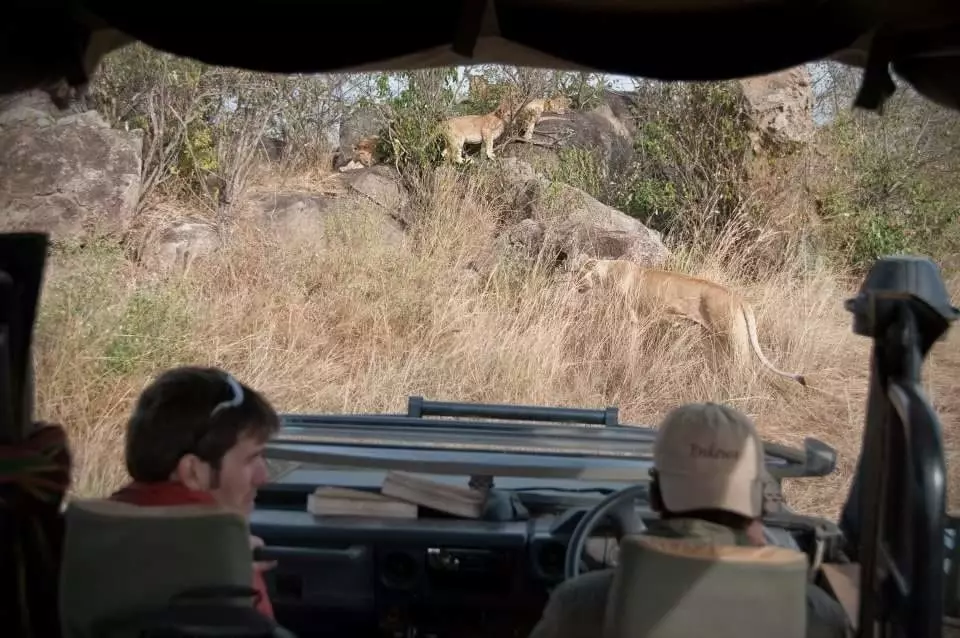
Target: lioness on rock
{"points": [[472, 129], [707, 303]]}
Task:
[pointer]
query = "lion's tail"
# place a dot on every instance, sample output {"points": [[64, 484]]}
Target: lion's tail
{"points": [[751, 322]]}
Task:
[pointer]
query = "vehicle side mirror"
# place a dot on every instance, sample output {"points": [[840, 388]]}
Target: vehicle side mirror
{"points": [[821, 459]]}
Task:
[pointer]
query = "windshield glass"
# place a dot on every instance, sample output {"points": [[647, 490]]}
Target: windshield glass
{"points": [[319, 237]]}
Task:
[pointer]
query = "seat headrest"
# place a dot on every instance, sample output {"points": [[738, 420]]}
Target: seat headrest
{"points": [[106, 508], [122, 560], [676, 588], [699, 551]]}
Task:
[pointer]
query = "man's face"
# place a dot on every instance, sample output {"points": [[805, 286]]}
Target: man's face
{"points": [[242, 471]]}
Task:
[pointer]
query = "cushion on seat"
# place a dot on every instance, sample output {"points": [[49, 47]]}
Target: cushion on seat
{"points": [[121, 561], [673, 588]]}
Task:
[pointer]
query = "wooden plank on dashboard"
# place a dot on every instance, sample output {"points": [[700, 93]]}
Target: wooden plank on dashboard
{"points": [[339, 501], [452, 499]]}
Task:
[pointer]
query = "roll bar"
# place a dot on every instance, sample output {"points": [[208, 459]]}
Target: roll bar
{"points": [[419, 407], [895, 513]]}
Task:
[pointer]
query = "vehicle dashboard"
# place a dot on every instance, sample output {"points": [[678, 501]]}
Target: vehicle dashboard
{"points": [[437, 575]]}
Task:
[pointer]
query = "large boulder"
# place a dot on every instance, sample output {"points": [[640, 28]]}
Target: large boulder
{"points": [[29, 108], [559, 222], [179, 245], [320, 217], [606, 131], [71, 176], [290, 211], [380, 185], [780, 109]]}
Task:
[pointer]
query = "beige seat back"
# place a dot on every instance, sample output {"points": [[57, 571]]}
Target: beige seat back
{"points": [[121, 560], [671, 588]]}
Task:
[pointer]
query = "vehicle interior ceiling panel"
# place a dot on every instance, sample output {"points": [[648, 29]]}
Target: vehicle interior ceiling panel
{"points": [[654, 38]]}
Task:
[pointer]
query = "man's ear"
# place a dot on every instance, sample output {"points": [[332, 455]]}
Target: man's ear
{"points": [[194, 473]]}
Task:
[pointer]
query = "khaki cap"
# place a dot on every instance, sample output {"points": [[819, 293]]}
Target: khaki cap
{"points": [[709, 456]]}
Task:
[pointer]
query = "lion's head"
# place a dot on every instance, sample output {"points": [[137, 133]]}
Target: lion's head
{"points": [[586, 275], [365, 150], [558, 104]]}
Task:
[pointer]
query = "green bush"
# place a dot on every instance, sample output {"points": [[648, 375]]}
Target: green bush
{"points": [[894, 188], [410, 138], [688, 172]]}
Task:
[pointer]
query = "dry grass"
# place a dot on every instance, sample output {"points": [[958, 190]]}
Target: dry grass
{"points": [[359, 325]]}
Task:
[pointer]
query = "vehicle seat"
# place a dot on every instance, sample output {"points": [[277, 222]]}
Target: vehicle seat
{"points": [[671, 588], [125, 566]]}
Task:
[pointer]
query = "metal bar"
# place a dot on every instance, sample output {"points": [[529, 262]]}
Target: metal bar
{"points": [[395, 425], [441, 461], [395, 421], [619, 442], [495, 440], [418, 407], [472, 442]]}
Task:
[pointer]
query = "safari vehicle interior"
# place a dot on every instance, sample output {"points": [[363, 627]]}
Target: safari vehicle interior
{"points": [[537, 494], [556, 484]]}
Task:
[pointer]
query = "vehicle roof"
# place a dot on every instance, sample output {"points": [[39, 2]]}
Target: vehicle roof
{"points": [[663, 39]]}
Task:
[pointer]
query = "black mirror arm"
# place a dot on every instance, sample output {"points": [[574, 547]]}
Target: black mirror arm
{"points": [[893, 519]]}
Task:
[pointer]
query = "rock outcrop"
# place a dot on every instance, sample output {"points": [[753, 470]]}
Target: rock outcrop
{"points": [[179, 245], [380, 185], [71, 176], [584, 227], [311, 216], [75, 177], [780, 108], [290, 211], [606, 131]]}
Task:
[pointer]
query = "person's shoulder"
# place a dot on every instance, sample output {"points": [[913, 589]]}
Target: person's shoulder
{"points": [[577, 606], [584, 589]]}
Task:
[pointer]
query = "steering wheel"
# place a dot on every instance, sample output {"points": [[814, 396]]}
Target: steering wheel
{"points": [[619, 505]]}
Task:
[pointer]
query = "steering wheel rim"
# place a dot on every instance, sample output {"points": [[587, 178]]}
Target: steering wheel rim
{"points": [[617, 500]]}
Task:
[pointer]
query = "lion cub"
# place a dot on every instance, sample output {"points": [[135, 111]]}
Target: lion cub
{"points": [[532, 113], [485, 129], [707, 303]]}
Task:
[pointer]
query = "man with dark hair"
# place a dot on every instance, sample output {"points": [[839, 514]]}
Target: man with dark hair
{"points": [[196, 436], [708, 487]]}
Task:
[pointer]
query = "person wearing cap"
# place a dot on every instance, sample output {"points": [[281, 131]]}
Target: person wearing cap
{"points": [[196, 436], [707, 484]]}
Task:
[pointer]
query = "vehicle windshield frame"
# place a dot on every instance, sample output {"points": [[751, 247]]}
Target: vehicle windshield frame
{"points": [[491, 440]]}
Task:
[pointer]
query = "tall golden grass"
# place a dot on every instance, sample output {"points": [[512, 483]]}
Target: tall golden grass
{"points": [[357, 324]]}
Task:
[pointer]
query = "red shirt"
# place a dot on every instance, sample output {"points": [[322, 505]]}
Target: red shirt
{"points": [[172, 494]]}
